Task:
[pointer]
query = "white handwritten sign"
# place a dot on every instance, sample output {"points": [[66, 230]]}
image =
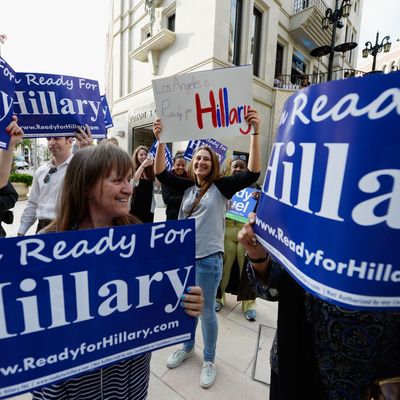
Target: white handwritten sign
{"points": [[203, 105]]}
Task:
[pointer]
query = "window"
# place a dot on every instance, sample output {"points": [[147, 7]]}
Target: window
{"points": [[300, 5], [256, 41], [235, 31], [171, 22], [278, 59]]}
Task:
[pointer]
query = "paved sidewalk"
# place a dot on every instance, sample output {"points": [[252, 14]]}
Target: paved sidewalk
{"points": [[236, 349]]}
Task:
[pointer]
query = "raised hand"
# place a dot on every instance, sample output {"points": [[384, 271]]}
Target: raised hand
{"points": [[84, 137]]}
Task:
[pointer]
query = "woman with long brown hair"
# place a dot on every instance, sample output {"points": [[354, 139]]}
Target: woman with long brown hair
{"points": [[96, 194], [143, 202], [205, 197]]}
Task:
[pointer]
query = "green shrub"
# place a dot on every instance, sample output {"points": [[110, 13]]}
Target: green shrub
{"points": [[22, 178]]}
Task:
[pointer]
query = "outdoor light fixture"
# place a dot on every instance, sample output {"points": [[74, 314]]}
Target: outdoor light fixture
{"points": [[377, 48], [333, 17]]}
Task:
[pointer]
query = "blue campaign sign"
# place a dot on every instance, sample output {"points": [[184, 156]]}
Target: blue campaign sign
{"points": [[219, 148], [54, 105], [242, 204], [79, 300], [169, 163], [108, 122], [7, 86], [330, 203]]}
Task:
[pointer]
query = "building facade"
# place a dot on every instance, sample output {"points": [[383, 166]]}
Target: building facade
{"points": [[386, 62], [150, 39]]}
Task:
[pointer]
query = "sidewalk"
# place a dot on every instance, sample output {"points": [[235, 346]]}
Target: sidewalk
{"points": [[236, 350]]}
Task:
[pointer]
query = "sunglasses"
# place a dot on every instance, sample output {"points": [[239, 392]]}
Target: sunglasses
{"points": [[239, 157], [52, 170]]}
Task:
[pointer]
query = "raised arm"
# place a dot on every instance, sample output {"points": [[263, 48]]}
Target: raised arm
{"points": [[253, 118], [139, 172], [6, 156], [159, 162]]}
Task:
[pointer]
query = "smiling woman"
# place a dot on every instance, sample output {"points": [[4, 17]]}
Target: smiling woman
{"points": [[96, 194], [205, 197]]}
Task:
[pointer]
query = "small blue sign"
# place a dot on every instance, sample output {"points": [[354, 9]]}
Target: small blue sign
{"points": [[169, 162], [55, 105], [242, 204], [219, 148], [7, 87], [79, 300], [108, 122], [330, 203]]}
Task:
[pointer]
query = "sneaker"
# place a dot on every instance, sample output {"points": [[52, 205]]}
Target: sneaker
{"points": [[208, 374], [178, 357], [218, 305], [250, 315]]}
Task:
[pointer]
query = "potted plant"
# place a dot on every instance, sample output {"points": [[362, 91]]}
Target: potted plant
{"points": [[21, 183]]}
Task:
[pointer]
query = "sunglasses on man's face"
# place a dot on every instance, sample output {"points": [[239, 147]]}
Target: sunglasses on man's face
{"points": [[239, 157], [52, 170]]}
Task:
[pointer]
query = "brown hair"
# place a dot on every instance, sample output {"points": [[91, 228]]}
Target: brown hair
{"points": [[208, 180], [148, 171], [89, 166]]}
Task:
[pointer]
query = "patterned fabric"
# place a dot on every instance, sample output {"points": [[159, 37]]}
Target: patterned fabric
{"points": [[127, 380], [352, 348]]}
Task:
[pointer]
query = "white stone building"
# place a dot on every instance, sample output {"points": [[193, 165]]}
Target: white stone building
{"points": [[179, 36]]}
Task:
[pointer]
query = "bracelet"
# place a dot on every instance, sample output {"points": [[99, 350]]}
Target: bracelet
{"points": [[257, 260], [255, 133]]}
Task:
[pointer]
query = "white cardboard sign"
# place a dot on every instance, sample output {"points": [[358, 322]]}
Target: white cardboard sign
{"points": [[204, 104]]}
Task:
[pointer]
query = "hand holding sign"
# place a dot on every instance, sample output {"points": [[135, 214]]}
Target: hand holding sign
{"points": [[84, 136], [6, 156], [254, 249], [252, 118], [15, 131], [193, 301]]}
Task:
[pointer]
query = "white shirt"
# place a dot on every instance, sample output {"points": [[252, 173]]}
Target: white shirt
{"points": [[43, 197]]}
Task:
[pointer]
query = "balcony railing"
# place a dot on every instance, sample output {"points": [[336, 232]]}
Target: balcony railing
{"points": [[300, 5], [295, 82]]}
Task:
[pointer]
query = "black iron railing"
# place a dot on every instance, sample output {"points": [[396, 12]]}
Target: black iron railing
{"points": [[300, 5], [298, 81]]}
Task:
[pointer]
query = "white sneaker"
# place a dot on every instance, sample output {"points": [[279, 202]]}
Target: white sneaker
{"points": [[208, 374], [178, 357]]}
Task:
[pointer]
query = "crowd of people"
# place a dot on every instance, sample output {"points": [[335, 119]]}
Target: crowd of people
{"points": [[320, 351]]}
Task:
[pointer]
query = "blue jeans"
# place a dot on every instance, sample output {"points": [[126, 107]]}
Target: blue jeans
{"points": [[208, 277]]}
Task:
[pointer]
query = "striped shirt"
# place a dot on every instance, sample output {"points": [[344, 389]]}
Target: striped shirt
{"points": [[127, 380]]}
